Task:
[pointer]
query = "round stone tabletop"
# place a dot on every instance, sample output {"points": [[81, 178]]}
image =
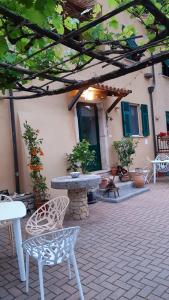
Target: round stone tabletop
{"points": [[69, 183]]}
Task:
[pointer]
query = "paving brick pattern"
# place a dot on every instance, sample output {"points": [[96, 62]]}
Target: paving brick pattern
{"points": [[122, 254]]}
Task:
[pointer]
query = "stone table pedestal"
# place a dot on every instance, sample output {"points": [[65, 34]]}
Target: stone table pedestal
{"points": [[77, 192]]}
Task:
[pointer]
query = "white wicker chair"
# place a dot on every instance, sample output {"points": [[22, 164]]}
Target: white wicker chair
{"points": [[6, 223], [48, 217], [50, 249]]}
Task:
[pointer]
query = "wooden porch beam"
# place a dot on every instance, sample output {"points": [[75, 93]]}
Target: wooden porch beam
{"points": [[75, 99], [114, 104]]}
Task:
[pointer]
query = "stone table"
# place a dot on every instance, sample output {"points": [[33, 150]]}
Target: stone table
{"points": [[77, 192]]}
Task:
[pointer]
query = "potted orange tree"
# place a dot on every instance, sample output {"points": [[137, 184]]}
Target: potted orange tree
{"points": [[33, 143]]}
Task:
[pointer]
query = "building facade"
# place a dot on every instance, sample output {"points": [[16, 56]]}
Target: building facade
{"points": [[61, 129]]}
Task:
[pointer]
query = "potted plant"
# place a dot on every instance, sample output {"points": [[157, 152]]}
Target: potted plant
{"points": [[138, 178], [81, 157], [125, 149], [33, 143], [79, 160]]}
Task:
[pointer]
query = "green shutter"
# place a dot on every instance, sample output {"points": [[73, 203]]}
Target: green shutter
{"points": [[145, 120], [126, 118], [131, 44], [166, 62], [165, 67]]}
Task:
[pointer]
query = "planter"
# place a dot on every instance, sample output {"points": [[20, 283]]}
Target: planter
{"points": [[138, 180], [104, 183], [40, 203], [91, 198], [114, 171]]}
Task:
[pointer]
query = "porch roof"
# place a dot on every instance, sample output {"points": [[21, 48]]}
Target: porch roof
{"points": [[101, 91], [112, 91]]}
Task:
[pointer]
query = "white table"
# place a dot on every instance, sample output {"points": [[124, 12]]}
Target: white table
{"points": [[155, 163], [14, 211]]}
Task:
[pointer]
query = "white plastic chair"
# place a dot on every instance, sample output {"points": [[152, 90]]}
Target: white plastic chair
{"points": [[6, 223], [50, 249], [48, 217]]}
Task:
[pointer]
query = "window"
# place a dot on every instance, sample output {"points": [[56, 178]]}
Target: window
{"points": [[165, 67], [135, 119]]}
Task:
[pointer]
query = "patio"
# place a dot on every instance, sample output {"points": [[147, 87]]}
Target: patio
{"points": [[122, 253]]}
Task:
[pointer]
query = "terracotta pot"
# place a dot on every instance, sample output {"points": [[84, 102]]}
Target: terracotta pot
{"points": [[114, 171], [40, 203], [138, 180], [104, 183]]}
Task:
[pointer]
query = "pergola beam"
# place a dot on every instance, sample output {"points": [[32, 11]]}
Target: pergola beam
{"points": [[157, 13], [108, 76]]}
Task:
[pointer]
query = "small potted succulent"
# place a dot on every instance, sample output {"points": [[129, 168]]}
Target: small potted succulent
{"points": [[33, 143]]}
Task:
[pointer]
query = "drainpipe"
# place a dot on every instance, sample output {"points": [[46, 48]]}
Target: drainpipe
{"points": [[150, 91], [15, 152]]}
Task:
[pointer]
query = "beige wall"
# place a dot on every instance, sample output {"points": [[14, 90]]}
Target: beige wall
{"points": [[57, 129], [58, 126]]}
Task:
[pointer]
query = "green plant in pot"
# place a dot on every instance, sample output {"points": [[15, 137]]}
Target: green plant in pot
{"points": [[81, 157], [33, 143], [125, 149]]}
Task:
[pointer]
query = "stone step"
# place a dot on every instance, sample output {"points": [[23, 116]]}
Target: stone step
{"points": [[126, 191]]}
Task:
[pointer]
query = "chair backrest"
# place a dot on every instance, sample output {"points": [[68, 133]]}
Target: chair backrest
{"points": [[162, 156], [48, 217], [53, 247], [5, 198], [162, 166]]}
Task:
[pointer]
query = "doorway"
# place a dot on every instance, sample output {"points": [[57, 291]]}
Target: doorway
{"points": [[89, 130]]}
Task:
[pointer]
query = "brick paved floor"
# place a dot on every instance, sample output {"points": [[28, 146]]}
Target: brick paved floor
{"points": [[122, 253]]}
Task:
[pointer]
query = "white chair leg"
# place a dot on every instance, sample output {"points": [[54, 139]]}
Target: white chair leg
{"points": [[27, 272], [10, 233], [69, 269], [41, 280], [73, 259]]}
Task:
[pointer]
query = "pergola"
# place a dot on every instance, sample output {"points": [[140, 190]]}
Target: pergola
{"points": [[114, 55]]}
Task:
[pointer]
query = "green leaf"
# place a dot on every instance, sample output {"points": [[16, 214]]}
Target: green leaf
{"points": [[114, 23], [3, 46], [129, 30], [57, 21], [59, 9], [112, 3], [71, 23], [10, 57], [35, 16], [26, 3], [97, 9]]}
